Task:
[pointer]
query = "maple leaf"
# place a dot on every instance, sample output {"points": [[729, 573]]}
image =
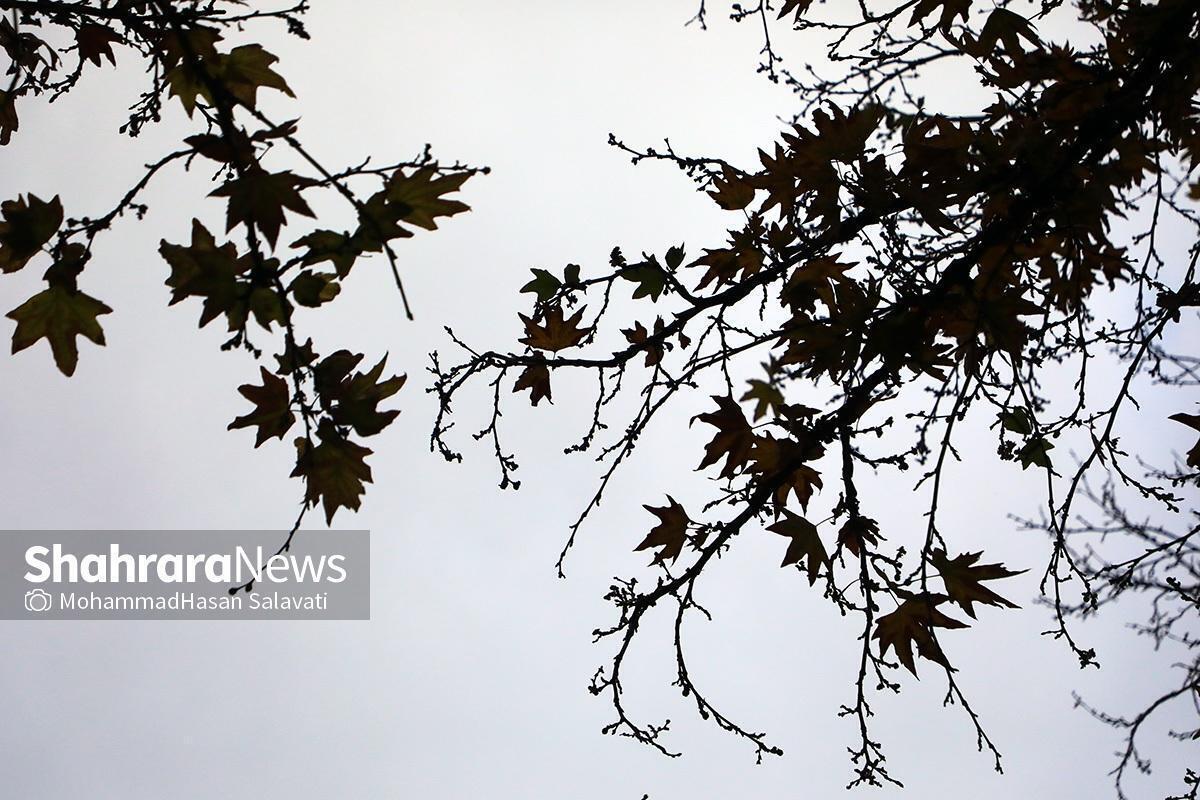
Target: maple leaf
{"points": [[772, 455], [314, 289], [819, 348], [962, 577], [9, 121], [202, 269], [670, 534], [639, 335], [69, 261], [805, 545], [419, 196], [1005, 26], [796, 7], [778, 180], [295, 356], [340, 249], [354, 400], [1036, 451], [334, 471], [950, 10], [241, 72], [1193, 422], [859, 532], [222, 149], [1018, 420], [556, 334], [245, 70], [184, 83], [815, 280], [96, 41], [28, 223], [535, 378], [544, 285], [730, 192], [734, 439], [767, 396], [357, 404], [198, 40], [272, 413], [802, 481], [58, 314], [912, 623], [840, 136], [259, 197], [649, 276]]}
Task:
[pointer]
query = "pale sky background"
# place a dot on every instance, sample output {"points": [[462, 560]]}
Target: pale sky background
{"points": [[469, 681]]}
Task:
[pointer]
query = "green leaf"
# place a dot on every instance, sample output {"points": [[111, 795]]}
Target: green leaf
{"points": [[1036, 451], [247, 69], [241, 72], [186, 84], [544, 285], [1017, 420], [649, 276], [767, 396], [337, 248], [313, 289], [353, 400], [28, 223], [58, 315], [202, 269], [419, 196], [267, 306], [259, 197]]}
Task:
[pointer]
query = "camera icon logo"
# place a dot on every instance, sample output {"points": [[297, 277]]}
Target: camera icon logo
{"points": [[38, 600]]}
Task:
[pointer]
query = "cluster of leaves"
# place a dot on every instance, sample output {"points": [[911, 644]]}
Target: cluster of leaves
{"points": [[257, 283], [890, 261]]}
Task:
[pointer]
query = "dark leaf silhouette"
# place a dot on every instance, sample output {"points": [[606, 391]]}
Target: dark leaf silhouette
{"points": [[28, 223], [95, 43], [535, 378], [59, 315], [554, 333], [670, 534], [272, 415], [963, 577], [334, 471], [1193, 422], [266, 174], [734, 439], [258, 199], [805, 544], [912, 625]]}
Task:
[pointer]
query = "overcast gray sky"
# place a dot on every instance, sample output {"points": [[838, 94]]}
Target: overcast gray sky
{"points": [[469, 681]]}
